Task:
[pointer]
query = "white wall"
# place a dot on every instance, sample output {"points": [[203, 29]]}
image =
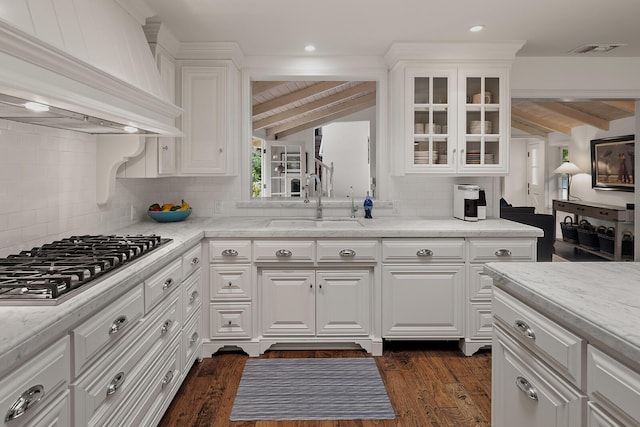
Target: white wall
{"points": [[346, 145], [515, 184]]}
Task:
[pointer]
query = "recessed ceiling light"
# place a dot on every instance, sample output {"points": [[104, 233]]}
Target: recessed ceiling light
{"points": [[309, 48], [130, 129], [476, 28], [34, 106]]}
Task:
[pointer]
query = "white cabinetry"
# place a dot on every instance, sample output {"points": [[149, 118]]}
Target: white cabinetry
{"points": [[423, 288], [450, 126], [478, 291], [209, 97]]}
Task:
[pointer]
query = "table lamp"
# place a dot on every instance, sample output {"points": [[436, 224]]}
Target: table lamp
{"points": [[569, 169]]}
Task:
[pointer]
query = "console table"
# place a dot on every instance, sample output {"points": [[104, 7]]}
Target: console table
{"points": [[611, 213]]}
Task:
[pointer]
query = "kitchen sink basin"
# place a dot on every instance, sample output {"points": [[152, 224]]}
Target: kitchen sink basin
{"points": [[314, 223]]}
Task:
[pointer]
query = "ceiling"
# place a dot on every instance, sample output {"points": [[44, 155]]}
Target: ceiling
{"points": [[369, 27]]}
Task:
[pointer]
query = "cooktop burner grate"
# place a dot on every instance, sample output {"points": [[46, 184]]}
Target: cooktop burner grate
{"points": [[56, 271]]}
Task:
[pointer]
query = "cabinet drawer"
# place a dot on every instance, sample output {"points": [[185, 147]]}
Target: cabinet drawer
{"points": [[39, 378], [496, 250], [106, 327], [191, 260], [347, 250], [527, 393], [480, 284], [480, 321], [230, 251], [552, 342], [191, 341], [284, 251], [161, 284], [612, 381], [230, 320], [423, 250], [191, 297], [230, 282]]}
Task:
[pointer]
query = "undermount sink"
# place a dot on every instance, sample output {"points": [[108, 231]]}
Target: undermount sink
{"points": [[314, 223]]}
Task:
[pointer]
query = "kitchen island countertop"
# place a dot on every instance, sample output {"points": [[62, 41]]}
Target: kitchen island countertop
{"points": [[599, 301], [27, 329]]}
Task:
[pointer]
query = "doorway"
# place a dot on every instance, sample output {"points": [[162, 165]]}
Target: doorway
{"points": [[535, 175]]}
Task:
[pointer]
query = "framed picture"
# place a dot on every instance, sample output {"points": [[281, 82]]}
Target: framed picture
{"points": [[612, 163]]}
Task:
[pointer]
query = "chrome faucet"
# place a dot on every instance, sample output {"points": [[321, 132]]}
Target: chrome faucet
{"points": [[317, 191]]}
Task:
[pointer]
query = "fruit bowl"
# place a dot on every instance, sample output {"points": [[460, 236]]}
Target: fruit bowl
{"points": [[170, 216]]}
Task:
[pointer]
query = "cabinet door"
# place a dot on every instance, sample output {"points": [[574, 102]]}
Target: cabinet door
{"points": [[204, 96], [423, 301], [430, 120], [483, 120], [342, 302], [526, 393], [288, 302], [166, 156]]}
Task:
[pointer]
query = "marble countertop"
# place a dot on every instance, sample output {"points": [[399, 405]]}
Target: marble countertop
{"points": [[599, 301], [27, 329]]}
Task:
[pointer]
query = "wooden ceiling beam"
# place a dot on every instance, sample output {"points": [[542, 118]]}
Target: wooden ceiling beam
{"points": [[321, 116], [525, 127], [540, 122], [294, 96], [363, 88], [626, 106], [259, 87], [575, 114], [328, 119]]}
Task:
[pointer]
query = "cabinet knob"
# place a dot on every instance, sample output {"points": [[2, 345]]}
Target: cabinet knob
{"points": [[525, 386], [118, 324], [229, 252], [168, 377], [23, 403], [229, 323], [165, 327], [347, 253], [167, 284], [194, 297], [195, 261], [115, 383], [424, 252], [503, 252], [230, 284], [283, 253], [194, 338], [525, 329], [165, 147]]}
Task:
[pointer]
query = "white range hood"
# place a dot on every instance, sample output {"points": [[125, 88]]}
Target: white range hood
{"points": [[87, 58]]}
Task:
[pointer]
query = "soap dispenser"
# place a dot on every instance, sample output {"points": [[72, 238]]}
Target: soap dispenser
{"points": [[368, 206]]}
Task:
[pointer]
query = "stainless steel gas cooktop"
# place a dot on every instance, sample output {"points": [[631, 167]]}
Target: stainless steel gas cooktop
{"points": [[56, 271]]}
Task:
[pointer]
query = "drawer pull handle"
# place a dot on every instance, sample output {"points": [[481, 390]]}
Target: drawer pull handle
{"points": [[167, 284], [503, 252], [23, 403], [229, 252], [165, 327], [525, 329], [229, 323], [230, 284], [195, 261], [168, 377], [194, 338], [115, 384], [118, 324], [194, 297], [525, 386], [347, 253], [424, 252], [283, 253]]}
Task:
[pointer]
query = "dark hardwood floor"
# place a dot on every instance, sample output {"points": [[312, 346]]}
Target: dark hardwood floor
{"points": [[429, 385]]}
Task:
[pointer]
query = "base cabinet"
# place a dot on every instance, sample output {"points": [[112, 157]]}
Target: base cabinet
{"points": [[423, 301], [315, 303], [528, 394]]}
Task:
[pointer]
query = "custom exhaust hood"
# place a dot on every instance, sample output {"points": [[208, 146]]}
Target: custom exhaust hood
{"points": [[24, 111]]}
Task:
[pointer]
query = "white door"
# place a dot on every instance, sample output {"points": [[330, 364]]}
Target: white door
{"points": [[288, 302], [535, 175], [342, 304]]}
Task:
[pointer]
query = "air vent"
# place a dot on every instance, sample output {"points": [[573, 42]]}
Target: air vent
{"points": [[596, 48]]}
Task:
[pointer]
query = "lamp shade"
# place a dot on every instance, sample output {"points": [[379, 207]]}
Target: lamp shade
{"points": [[568, 168]]}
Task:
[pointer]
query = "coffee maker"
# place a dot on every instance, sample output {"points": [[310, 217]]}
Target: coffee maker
{"points": [[466, 199]]}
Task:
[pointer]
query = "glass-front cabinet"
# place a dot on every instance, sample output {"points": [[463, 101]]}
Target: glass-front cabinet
{"points": [[283, 170], [456, 120]]}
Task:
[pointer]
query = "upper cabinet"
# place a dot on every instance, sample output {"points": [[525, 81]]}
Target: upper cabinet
{"points": [[450, 108], [210, 122], [455, 120]]}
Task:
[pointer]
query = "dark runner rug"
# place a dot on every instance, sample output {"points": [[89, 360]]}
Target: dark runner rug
{"points": [[311, 389]]}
